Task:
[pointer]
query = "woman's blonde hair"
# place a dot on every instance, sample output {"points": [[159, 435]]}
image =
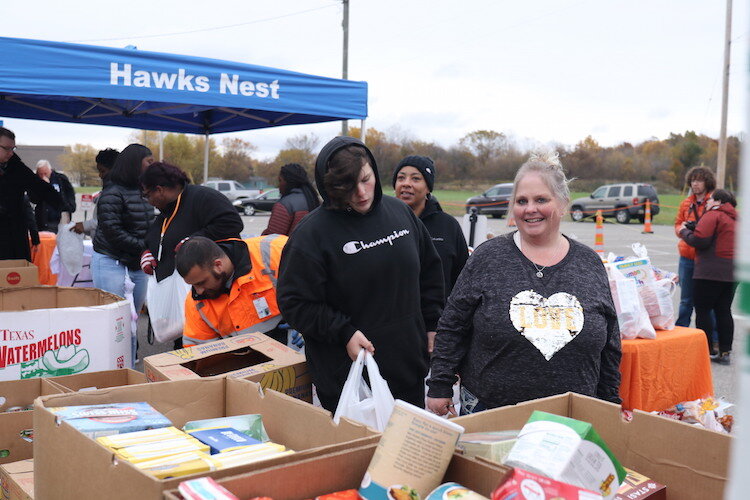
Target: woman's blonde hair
{"points": [[547, 164]]}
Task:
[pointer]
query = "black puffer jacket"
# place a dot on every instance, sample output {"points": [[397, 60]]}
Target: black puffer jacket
{"points": [[124, 218]]}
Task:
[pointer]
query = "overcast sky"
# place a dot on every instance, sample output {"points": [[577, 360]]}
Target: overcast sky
{"points": [[540, 70]]}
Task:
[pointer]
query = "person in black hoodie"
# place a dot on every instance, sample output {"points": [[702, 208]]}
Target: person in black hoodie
{"points": [[361, 272], [413, 180], [48, 217], [298, 198]]}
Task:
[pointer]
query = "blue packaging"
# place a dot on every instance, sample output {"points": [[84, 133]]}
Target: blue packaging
{"points": [[113, 418], [222, 438]]}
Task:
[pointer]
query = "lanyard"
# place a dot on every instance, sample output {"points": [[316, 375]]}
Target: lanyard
{"points": [[166, 224]]}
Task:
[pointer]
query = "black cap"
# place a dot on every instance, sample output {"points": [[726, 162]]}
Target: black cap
{"points": [[425, 166]]}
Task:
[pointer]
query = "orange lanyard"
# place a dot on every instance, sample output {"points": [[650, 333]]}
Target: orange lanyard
{"points": [[166, 224]]}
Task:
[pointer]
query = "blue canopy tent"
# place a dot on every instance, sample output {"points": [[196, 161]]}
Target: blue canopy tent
{"points": [[43, 80]]}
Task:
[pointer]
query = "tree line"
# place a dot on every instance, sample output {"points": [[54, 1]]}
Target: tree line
{"points": [[480, 158]]}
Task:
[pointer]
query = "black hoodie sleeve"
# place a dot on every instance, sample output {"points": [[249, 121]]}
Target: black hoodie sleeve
{"points": [[431, 281], [217, 216], [301, 298], [39, 191], [68, 194]]}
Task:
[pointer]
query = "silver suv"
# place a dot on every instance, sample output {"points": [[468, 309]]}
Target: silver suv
{"points": [[232, 189], [621, 201]]}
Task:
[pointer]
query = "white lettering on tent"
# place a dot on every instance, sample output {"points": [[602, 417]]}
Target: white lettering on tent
{"points": [[201, 84], [141, 79], [115, 73], [185, 83], [164, 80], [232, 85]]}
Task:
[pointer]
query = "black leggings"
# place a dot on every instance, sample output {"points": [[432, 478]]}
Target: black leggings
{"points": [[717, 296]]}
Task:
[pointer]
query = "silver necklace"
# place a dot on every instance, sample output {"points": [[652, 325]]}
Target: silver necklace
{"points": [[539, 273]]}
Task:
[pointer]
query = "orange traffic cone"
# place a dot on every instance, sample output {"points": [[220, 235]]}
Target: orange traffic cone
{"points": [[647, 218], [599, 236], [511, 220]]}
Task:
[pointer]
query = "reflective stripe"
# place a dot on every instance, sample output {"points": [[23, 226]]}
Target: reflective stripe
{"points": [[265, 253], [200, 306], [190, 341], [262, 327]]}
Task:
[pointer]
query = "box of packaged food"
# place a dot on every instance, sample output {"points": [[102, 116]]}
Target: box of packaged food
{"points": [[111, 418], [17, 273], [17, 480]]}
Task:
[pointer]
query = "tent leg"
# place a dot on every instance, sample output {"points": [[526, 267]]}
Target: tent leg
{"points": [[205, 160], [161, 146], [363, 129]]}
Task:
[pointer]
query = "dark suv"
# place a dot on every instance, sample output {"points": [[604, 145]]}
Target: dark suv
{"points": [[493, 202], [621, 201]]}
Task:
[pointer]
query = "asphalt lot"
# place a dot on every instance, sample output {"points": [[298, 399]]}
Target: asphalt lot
{"points": [[661, 245]]}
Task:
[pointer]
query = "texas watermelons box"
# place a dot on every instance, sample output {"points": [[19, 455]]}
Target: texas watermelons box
{"points": [[47, 331]]}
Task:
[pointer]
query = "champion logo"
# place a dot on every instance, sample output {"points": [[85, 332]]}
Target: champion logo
{"points": [[352, 247]]}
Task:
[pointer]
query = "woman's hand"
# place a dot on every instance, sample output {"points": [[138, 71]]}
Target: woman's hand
{"points": [[357, 343], [77, 228], [441, 406], [431, 341]]}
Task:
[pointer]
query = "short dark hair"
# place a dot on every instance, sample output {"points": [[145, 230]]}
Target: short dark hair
{"points": [[164, 174], [127, 168], [107, 157], [4, 132], [724, 196], [197, 251], [343, 173], [701, 173]]}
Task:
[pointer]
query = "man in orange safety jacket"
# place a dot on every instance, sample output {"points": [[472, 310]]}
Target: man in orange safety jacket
{"points": [[233, 287]]}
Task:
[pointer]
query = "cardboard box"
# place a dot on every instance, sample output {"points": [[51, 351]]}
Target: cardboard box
{"points": [[691, 462], [255, 357], [17, 480], [17, 427], [48, 331], [65, 456], [17, 273], [99, 380], [344, 470]]}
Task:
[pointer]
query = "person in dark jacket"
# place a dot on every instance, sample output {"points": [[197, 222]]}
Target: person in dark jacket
{"points": [[298, 198], [413, 180], [124, 218], [15, 180], [360, 272], [713, 277], [47, 216], [105, 160], [31, 222]]}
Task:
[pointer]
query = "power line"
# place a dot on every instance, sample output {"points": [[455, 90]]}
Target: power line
{"points": [[202, 30]]}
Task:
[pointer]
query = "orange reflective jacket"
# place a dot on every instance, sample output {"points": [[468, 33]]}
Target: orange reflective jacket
{"points": [[250, 305]]}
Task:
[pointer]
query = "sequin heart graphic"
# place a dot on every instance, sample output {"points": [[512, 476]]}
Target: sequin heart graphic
{"points": [[548, 323]]}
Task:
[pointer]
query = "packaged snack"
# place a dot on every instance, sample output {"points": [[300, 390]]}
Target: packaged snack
{"points": [[182, 464], [454, 491], [527, 485], [640, 487], [148, 451], [341, 495], [117, 441], [569, 451], [113, 418], [248, 455], [222, 438], [493, 446], [204, 488], [250, 424]]}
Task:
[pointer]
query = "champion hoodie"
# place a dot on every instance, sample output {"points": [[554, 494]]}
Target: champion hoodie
{"points": [[378, 272]]}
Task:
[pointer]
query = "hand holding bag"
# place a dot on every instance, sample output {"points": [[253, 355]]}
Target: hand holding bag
{"points": [[70, 248], [166, 306], [371, 406]]}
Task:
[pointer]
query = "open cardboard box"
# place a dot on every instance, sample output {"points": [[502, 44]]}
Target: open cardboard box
{"points": [[344, 470], [50, 331], [691, 462], [17, 273], [16, 428], [255, 357], [17, 480], [99, 380], [69, 465]]}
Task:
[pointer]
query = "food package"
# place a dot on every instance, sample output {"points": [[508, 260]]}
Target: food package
{"points": [[493, 446], [181, 464], [341, 495], [454, 491], [205, 488], [569, 451], [632, 316], [222, 438], [149, 451], [112, 418], [639, 486], [117, 441], [523, 484], [250, 424]]}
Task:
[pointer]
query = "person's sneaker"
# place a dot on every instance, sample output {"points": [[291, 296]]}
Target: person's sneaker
{"points": [[722, 359]]}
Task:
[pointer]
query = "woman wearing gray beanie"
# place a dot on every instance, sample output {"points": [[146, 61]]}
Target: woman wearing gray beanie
{"points": [[413, 180]]}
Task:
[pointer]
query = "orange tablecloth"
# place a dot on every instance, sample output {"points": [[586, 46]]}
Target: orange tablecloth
{"points": [[41, 258], [659, 373]]}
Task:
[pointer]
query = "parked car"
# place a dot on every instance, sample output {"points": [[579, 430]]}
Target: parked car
{"points": [[621, 201], [261, 203], [232, 189], [493, 202]]}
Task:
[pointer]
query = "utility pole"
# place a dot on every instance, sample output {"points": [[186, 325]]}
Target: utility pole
{"points": [[721, 164], [345, 72]]}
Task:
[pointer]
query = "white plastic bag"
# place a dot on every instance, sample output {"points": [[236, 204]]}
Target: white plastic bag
{"points": [[657, 298], [70, 248], [632, 316], [166, 306], [359, 402]]}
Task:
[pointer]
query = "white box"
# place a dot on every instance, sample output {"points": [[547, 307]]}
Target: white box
{"points": [[52, 331]]}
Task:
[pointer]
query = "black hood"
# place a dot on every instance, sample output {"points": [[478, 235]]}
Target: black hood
{"points": [[432, 206], [321, 166]]}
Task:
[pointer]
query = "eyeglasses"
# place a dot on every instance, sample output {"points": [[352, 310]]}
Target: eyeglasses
{"points": [[9, 149]]}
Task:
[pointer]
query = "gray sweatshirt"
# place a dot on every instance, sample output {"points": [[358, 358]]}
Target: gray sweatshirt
{"points": [[513, 336]]}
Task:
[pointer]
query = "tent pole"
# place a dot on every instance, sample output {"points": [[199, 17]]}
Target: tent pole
{"points": [[161, 146], [363, 130], [205, 160]]}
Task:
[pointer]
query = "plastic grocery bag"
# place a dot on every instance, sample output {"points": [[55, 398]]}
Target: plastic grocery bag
{"points": [[632, 316], [657, 298], [359, 402], [70, 248], [166, 306]]}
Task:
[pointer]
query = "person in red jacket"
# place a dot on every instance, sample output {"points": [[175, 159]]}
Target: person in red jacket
{"points": [[713, 278], [298, 198]]}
